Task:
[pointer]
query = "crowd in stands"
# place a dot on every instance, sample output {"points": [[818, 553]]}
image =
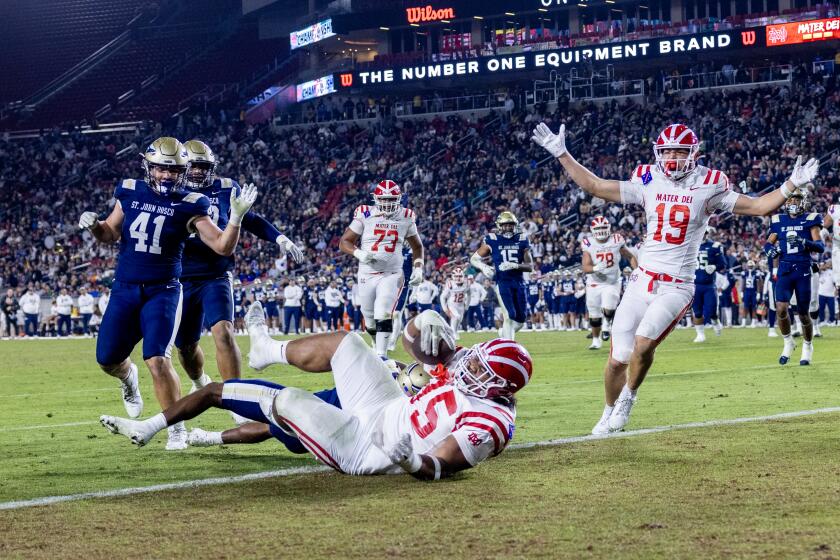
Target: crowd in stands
{"points": [[459, 171]]}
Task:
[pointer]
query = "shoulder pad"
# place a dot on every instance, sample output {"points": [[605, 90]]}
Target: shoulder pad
{"points": [[813, 216], [129, 184], [491, 236], [193, 197], [775, 219], [523, 237], [716, 244], [226, 182]]}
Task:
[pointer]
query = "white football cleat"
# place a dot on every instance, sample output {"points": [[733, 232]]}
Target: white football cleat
{"points": [[132, 400], [258, 356], [788, 349], [200, 384], [621, 413], [603, 427], [771, 333], [596, 343], [134, 430], [255, 320], [718, 328], [701, 337], [807, 353], [177, 437], [200, 438]]}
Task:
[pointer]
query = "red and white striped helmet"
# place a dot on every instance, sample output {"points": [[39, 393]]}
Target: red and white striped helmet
{"points": [[679, 137], [496, 368], [387, 196], [600, 228], [457, 274]]}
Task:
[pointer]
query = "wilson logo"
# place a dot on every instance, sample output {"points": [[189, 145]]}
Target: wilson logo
{"points": [[428, 13], [346, 80], [748, 37]]}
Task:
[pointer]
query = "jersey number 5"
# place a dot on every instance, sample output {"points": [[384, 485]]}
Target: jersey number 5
{"points": [[431, 414], [678, 219], [137, 229], [390, 244]]}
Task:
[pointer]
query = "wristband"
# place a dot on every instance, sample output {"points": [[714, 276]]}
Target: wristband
{"points": [[787, 193], [418, 262], [436, 463], [235, 219]]}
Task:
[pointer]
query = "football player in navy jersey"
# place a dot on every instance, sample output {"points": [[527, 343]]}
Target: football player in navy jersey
{"points": [[207, 276], [511, 255], [751, 286], [152, 219], [402, 301], [797, 235], [710, 261]]}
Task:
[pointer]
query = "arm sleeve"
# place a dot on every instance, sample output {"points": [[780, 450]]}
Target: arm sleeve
{"points": [[260, 227], [631, 193]]}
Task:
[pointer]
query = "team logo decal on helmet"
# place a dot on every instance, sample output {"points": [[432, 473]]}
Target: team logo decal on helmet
{"points": [[600, 228], [497, 368], [386, 196], [676, 137]]}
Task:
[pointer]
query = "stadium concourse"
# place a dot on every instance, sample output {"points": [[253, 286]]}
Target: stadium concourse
{"points": [[459, 171]]}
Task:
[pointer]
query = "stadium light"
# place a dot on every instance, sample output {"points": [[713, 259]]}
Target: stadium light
{"points": [[385, 28], [510, 14], [478, 17], [541, 10]]}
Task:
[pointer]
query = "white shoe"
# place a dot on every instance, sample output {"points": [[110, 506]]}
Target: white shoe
{"points": [[603, 426], [807, 353], [132, 400], [134, 430], [200, 384], [200, 438], [255, 320], [718, 329], [596, 343], [621, 413], [771, 332], [701, 337], [258, 356], [177, 437], [788, 349]]}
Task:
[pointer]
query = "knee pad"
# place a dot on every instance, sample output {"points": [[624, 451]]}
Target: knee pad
{"points": [[595, 322], [370, 331], [385, 326], [814, 315]]}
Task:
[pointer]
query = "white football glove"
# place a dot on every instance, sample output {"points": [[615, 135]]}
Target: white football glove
{"points": [[793, 238], [289, 247], [433, 328], [710, 269], [402, 454], [599, 267], [804, 174], [239, 205], [554, 143], [88, 220], [507, 265], [364, 256], [416, 276]]}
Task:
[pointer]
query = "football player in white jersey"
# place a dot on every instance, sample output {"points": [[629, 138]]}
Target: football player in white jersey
{"points": [[602, 254], [678, 196], [455, 299], [381, 231], [832, 222]]}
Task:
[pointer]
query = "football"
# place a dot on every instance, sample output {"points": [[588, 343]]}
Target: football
{"points": [[413, 378], [445, 352]]}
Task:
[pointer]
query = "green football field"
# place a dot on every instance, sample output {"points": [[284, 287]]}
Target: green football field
{"points": [[763, 488]]}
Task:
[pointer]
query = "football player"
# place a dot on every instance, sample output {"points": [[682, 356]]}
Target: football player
{"points": [[207, 276], [831, 222], [152, 219], [678, 197], [710, 261], [602, 253], [381, 231], [455, 298], [752, 284], [510, 252], [797, 234], [477, 293]]}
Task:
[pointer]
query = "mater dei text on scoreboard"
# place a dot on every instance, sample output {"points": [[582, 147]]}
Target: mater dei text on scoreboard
{"points": [[536, 60]]}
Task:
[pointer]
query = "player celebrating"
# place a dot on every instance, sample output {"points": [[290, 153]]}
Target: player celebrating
{"points": [[678, 196], [455, 299], [381, 231], [511, 255], [206, 276], [798, 235], [153, 219], [710, 261], [602, 254]]}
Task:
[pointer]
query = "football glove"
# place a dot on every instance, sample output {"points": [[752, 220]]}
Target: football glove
{"points": [[416, 276], [771, 251], [555, 144], [793, 238], [433, 328], [710, 268], [88, 220], [804, 174], [599, 267], [364, 256], [239, 205], [289, 247], [402, 453], [508, 266]]}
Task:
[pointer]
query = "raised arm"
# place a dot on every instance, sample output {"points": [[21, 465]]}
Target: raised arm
{"points": [[555, 144], [768, 203], [224, 242]]}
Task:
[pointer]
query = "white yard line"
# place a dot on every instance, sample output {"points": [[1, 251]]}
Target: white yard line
{"points": [[48, 426], [115, 388], [49, 500]]}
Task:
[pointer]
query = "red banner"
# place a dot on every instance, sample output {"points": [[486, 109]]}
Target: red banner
{"points": [[803, 32]]}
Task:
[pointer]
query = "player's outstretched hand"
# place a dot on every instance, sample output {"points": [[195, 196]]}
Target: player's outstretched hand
{"points": [[433, 328], [239, 205], [88, 220], [555, 144], [507, 265], [289, 246], [710, 269], [804, 174], [416, 276]]}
